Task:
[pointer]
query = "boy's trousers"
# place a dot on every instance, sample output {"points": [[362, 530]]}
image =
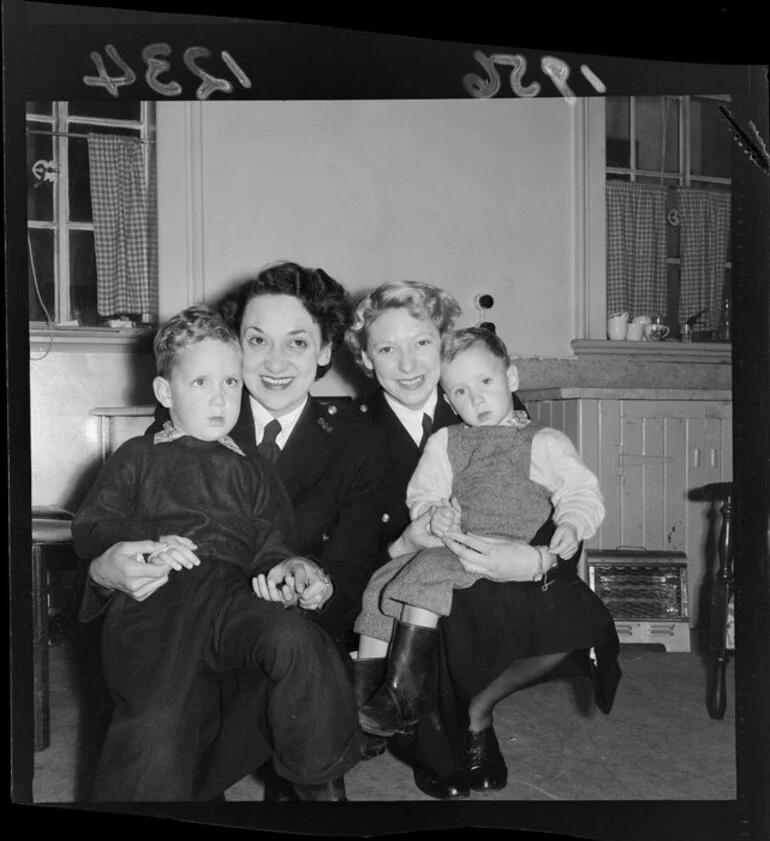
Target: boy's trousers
{"points": [[160, 660]]}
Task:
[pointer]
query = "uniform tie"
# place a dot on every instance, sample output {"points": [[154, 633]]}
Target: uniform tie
{"points": [[267, 447], [427, 428]]}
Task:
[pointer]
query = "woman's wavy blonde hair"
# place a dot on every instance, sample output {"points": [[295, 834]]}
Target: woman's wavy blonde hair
{"points": [[421, 300]]}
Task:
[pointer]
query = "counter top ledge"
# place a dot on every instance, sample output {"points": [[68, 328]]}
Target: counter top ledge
{"points": [[577, 392]]}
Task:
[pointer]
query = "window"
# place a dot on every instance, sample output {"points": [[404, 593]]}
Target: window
{"points": [[63, 248], [677, 142]]}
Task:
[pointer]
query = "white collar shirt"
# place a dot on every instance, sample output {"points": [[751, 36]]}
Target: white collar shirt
{"points": [[412, 418], [262, 418]]}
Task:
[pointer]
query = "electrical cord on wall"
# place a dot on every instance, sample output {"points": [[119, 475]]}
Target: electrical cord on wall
{"points": [[40, 300]]}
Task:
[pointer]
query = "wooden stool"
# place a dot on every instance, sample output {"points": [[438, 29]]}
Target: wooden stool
{"points": [[51, 536]]}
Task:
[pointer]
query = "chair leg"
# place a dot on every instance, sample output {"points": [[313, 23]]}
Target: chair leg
{"points": [[40, 649], [716, 703], [717, 700]]}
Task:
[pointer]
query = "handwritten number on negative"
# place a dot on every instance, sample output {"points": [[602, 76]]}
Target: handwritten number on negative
{"points": [[111, 83], [210, 83], [153, 56], [156, 66], [557, 70]]}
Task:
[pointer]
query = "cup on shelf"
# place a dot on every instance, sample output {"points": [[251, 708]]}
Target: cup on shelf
{"points": [[617, 326], [655, 332], [635, 332]]}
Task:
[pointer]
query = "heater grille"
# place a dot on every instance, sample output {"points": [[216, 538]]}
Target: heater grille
{"points": [[635, 587]]}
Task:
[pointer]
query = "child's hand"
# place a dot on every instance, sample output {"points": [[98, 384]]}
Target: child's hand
{"points": [[177, 553], [445, 517], [564, 542]]}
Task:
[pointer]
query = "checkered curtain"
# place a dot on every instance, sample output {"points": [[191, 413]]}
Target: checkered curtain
{"points": [[636, 248], [125, 235], [705, 229]]}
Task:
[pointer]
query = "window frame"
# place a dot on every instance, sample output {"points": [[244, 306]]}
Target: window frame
{"points": [[590, 295], [58, 124]]}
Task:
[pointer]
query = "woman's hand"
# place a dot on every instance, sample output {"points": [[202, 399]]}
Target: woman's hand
{"points": [[417, 535], [497, 558], [295, 581], [121, 568]]}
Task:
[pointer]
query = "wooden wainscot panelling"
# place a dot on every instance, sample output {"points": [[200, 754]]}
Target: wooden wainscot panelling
{"points": [[651, 449]]}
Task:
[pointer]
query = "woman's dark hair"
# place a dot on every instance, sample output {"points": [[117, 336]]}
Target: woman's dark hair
{"points": [[326, 300]]}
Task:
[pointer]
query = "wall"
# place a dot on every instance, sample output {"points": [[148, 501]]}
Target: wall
{"points": [[476, 196], [64, 387]]}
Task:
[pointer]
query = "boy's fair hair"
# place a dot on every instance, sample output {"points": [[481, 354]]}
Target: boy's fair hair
{"points": [[420, 300], [188, 327], [457, 342]]}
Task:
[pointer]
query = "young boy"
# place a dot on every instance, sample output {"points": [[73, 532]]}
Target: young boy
{"points": [[191, 485], [498, 474]]}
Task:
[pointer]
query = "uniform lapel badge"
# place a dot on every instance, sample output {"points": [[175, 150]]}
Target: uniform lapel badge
{"points": [[325, 425]]}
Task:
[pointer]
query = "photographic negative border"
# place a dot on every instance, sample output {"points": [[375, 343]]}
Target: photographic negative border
{"points": [[47, 53]]}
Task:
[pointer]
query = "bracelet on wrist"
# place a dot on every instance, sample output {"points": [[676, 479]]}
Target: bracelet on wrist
{"points": [[544, 563]]}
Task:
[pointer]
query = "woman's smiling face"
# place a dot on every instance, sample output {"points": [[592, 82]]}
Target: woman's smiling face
{"points": [[403, 351], [282, 349]]}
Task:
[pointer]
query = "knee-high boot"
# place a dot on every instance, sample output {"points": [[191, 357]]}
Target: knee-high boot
{"points": [[393, 708], [368, 675]]}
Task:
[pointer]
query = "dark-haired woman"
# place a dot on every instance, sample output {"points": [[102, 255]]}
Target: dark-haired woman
{"points": [[290, 320]]}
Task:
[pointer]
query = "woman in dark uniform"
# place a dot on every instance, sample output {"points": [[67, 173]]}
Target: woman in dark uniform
{"points": [[290, 319], [502, 634]]}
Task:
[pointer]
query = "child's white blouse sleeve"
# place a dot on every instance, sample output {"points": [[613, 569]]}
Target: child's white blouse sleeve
{"points": [[432, 478], [576, 497]]}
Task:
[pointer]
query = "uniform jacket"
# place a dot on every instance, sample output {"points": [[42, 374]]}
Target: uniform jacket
{"points": [[402, 457]]}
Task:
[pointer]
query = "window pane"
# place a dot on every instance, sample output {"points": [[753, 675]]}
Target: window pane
{"points": [[618, 176], [40, 273], [40, 108], [119, 110], [710, 139], [710, 185], [669, 181], [79, 173], [657, 133], [618, 128], [40, 160], [83, 278], [672, 229]]}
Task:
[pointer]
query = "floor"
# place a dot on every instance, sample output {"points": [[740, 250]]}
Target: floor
{"points": [[657, 744]]}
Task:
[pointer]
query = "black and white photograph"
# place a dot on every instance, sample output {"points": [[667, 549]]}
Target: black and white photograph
{"points": [[278, 308]]}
